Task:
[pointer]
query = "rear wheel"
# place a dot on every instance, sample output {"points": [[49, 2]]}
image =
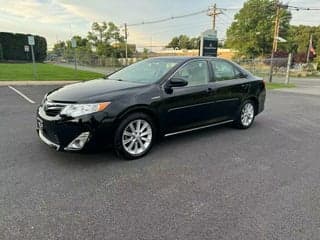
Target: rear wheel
{"points": [[246, 115], [134, 136]]}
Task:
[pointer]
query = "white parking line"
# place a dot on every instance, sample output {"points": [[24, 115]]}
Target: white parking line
{"points": [[22, 95]]}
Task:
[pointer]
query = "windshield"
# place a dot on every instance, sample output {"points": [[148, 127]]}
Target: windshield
{"points": [[146, 71]]}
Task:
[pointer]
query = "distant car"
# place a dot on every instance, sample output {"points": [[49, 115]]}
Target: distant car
{"points": [[155, 97]]}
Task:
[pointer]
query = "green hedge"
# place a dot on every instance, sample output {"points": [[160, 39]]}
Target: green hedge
{"points": [[12, 47]]}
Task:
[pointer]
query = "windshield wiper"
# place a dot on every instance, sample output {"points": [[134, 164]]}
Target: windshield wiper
{"points": [[116, 79]]}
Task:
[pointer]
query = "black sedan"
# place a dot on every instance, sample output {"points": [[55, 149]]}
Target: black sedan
{"points": [[155, 97]]}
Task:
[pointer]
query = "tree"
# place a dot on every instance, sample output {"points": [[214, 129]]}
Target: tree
{"points": [[145, 53], [251, 33], [299, 38], [81, 42], [194, 43], [103, 35], [59, 48], [184, 42]]}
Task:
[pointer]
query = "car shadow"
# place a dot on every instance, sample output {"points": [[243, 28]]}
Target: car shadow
{"points": [[161, 150]]}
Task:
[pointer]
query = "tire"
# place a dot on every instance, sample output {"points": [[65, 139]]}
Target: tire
{"points": [[246, 115], [134, 136]]}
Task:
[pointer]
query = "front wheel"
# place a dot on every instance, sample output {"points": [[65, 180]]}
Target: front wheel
{"points": [[246, 115], [134, 136]]}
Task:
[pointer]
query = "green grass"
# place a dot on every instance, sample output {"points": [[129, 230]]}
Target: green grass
{"points": [[46, 72], [271, 86]]}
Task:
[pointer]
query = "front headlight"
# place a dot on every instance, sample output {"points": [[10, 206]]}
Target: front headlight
{"points": [[77, 110]]}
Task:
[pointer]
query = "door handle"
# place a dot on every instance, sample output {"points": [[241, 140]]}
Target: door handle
{"points": [[245, 86], [209, 90]]}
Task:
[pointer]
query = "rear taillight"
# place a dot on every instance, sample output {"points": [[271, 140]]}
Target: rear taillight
{"points": [[264, 83]]}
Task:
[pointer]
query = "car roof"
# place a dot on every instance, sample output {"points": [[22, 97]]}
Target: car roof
{"points": [[184, 57]]}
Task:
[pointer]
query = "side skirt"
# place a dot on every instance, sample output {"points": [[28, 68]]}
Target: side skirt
{"points": [[198, 128]]}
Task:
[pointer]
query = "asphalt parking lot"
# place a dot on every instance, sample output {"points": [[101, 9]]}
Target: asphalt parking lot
{"points": [[219, 183]]}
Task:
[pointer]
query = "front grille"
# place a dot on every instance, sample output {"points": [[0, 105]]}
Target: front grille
{"points": [[52, 109]]}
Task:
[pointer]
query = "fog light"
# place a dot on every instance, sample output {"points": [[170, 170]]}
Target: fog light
{"points": [[79, 142]]}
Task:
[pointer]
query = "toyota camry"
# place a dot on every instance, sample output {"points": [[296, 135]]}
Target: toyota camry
{"points": [[156, 97]]}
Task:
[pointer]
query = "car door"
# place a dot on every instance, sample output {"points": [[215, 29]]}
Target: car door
{"points": [[187, 107], [230, 85]]}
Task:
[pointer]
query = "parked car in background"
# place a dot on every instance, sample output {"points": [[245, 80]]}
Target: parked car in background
{"points": [[155, 97]]}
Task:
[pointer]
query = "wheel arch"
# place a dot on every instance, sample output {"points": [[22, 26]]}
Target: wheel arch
{"points": [[255, 100], [139, 109]]}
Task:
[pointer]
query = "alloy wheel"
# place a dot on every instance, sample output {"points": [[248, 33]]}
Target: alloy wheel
{"points": [[247, 114], [137, 137]]}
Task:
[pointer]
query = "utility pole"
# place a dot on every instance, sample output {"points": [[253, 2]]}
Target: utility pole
{"points": [[288, 68], [309, 48], [126, 39], [213, 13], [275, 40]]}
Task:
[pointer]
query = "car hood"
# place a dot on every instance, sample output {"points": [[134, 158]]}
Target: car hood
{"points": [[81, 91]]}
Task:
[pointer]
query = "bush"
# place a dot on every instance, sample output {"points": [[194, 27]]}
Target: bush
{"points": [[1, 53], [13, 47], [308, 67]]}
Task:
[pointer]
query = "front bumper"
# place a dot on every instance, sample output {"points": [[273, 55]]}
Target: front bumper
{"points": [[76, 133], [47, 141], [262, 100]]}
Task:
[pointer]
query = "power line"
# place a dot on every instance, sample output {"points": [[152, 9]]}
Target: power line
{"points": [[179, 16], [167, 19], [303, 8]]}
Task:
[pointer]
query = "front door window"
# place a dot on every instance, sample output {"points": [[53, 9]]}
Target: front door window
{"points": [[196, 73]]}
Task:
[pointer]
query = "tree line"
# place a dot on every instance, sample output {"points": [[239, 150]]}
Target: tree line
{"points": [[250, 34], [103, 41], [12, 47]]}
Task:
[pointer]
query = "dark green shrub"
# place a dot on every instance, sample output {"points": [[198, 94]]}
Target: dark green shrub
{"points": [[13, 47]]}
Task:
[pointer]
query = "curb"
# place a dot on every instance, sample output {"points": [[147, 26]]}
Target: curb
{"points": [[308, 91], [34, 83]]}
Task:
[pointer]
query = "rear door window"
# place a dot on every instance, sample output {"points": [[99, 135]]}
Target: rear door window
{"points": [[224, 70]]}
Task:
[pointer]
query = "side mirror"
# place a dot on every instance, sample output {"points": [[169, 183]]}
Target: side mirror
{"points": [[178, 82], [242, 75], [175, 82]]}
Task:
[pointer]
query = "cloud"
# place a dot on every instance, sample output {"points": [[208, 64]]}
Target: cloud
{"points": [[80, 11], [35, 10], [59, 19]]}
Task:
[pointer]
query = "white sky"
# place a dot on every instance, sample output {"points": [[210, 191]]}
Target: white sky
{"points": [[61, 19]]}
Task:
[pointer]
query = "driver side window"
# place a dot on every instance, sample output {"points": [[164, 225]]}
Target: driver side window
{"points": [[195, 73]]}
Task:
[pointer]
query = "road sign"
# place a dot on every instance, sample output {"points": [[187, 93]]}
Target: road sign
{"points": [[26, 48], [209, 43], [31, 41], [73, 43]]}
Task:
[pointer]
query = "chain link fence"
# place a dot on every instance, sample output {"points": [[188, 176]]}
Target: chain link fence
{"points": [[261, 67], [105, 65]]}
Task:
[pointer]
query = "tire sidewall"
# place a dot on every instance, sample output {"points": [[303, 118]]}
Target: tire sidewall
{"points": [[238, 120], [120, 150]]}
